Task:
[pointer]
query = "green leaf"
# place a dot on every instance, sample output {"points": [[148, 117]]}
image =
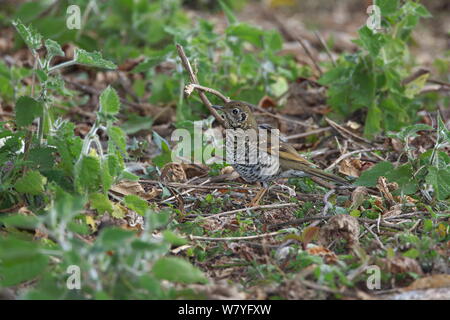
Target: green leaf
{"points": [[414, 87], [109, 101], [101, 203], [148, 63], [43, 158], [136, 203], [442, 128], [117, 135], [27, 109], [32, 38], [177, 270], [136, 123], [373, 120], [112, 238], [19, 220], [411, 131], [32, 183], [404, 177], [228, 12], [387, 7], [166, 153], [93, 59], [20, 270], [440, 180], [247, 33], [173, 238], [370, 40], [412, 253], [87, 173], [370, 177], [53, 49]]}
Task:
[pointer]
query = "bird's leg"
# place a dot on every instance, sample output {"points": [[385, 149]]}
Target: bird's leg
{"points": [[259, 195]]}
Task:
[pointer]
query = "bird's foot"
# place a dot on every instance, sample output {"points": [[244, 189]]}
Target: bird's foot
{"points": [[258, 197]]}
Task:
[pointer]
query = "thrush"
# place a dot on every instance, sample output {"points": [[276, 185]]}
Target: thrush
{"points": [[259, 154]]}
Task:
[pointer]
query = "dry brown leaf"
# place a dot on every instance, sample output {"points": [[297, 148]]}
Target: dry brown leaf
{"points": [[267, 102], [434, 281], [340, 226], [397, 145], [350, 167], [401, 265], [358, 197], [353, 125], [394, 211], [173, 172], [194, 170], [385, 188], [328, 256], [127, 187]]}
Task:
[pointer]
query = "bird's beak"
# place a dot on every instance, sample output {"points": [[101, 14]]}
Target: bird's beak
{"points": [[217, 107]]}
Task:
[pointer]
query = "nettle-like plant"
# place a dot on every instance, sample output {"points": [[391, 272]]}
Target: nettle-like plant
{"points": [[371, 79], [119, 264], [53, 154], [53, 175], [421, 171]]}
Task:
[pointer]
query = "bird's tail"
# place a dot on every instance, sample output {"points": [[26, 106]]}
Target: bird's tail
{"points": [[319, 173], [327, 176]]}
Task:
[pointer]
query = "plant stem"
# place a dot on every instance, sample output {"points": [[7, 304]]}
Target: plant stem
{"points": [[62, 65]]}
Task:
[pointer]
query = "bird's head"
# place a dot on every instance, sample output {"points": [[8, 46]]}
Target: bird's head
{"points": [[237, 115]]}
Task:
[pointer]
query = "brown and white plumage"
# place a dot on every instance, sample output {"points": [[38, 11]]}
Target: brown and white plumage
{"points": [[239, 119]]}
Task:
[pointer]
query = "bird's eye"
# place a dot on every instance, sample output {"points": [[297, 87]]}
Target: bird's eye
{"points": [[235, 111]]}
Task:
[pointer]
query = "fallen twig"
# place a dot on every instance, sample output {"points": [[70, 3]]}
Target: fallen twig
{"points": [[310, 55], [187, 66], [261, 207], [259, 236]]}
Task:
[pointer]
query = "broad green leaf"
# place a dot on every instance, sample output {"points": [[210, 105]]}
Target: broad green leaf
{"points": [[101, 203], [117, 135], [247, 33], [107, 179], [166, 154], [16, 271], [135, 203], [148, 63], [112, 238], [32, 38], [373, 120], [440, 180], [32, 183], [404, 177], [27, 109], [173, 238], [370, 40], [109, 101], [87, 173], [42, 157], [53, 49], [177, 270], [411, 131], [370, 177], [19, 220], [93, 59], [136, 123], [387, 7], [414, 87]]}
